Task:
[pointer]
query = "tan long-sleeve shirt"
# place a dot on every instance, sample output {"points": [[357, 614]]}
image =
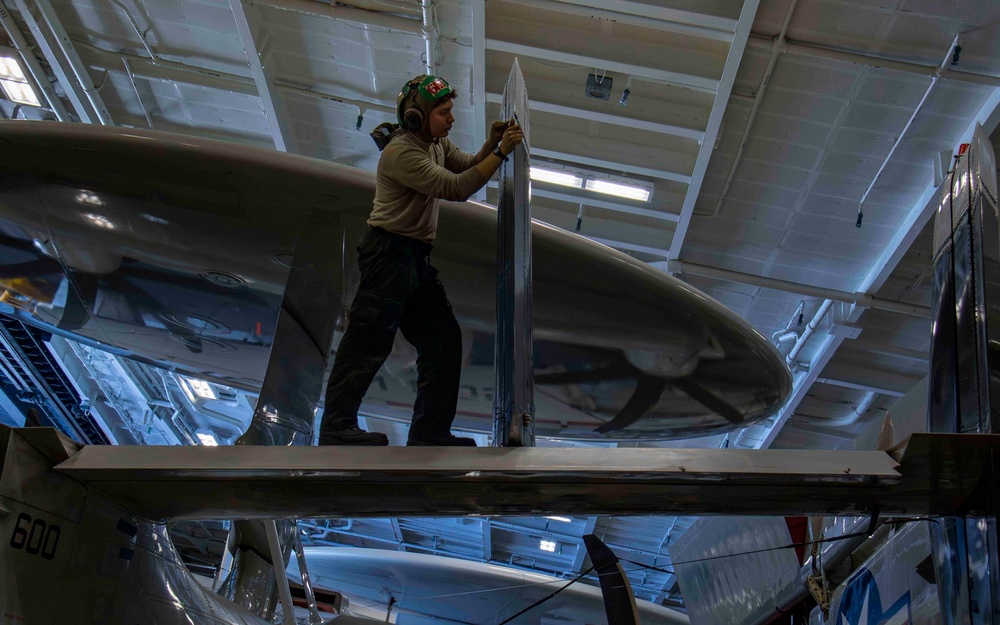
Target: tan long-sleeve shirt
{"points": [[413, 175]]}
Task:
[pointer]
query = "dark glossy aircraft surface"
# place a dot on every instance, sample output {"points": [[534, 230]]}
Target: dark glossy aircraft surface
{"points": [[176, 251]]}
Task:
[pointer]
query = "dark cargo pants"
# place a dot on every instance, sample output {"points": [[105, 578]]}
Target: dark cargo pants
{"points": [[399, 289]]}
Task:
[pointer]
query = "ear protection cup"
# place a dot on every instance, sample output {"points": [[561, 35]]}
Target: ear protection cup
{"points": [[413, 119]]}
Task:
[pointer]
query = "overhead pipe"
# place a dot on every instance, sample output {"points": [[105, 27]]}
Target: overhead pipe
{"points": [[852, 417], [902, 133], [431, 35], [348, 14], [777, 46], [783, 336], [813, 324], [862, 300], [816, 51]]}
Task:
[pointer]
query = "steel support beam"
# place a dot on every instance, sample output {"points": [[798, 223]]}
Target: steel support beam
{"points": [[860, 387], [274, 109], [817, 51], [725, 86], [857, 298], [660, 13], [632, 247], [644, 15], [480, 125], [697, 83], [617, 120]]}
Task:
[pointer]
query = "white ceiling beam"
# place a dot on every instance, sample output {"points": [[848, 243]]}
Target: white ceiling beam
{"points": [[576, 159], [274, 108], [65, 62], [661, 13], [645, 16], [479, 76], [334, 11], [697, 83], [487, 534], [170, 72], [816, 51], [596, 202], [607, 118], [581, 553], [631, 247], [860, 387], [714, 123]]}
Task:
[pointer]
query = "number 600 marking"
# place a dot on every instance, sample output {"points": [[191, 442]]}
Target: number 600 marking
{"points": [[36, 537]]}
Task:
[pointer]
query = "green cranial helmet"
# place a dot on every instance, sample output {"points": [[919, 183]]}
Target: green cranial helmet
{"points": [[418, 97]]}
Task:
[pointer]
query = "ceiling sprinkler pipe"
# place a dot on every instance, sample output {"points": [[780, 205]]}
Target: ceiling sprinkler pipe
{"points": [[852, 417], [431, 35], [784, 336], [813, 324]]}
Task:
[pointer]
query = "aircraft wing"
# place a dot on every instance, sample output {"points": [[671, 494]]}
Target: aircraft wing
{"points": [[931, 474]]}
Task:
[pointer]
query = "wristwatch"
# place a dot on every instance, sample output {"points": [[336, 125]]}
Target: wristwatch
{"points": [[503, 157]]}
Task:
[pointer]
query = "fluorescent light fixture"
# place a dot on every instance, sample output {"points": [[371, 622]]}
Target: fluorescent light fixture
{"points": [[196, 389], [207, 438], [560, 178], [560, 518], [100, 221], [14, 83], [547, 545], [89, 198], [10, 69], [619, 190], [202, 388]]}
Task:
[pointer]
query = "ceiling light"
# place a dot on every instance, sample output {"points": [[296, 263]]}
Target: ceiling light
{"points": [[14, 83], [556, 177], [100, 221], [619, 190], [88, 198], [207, 438], [547, 545], [560, 518], [197, 389]]}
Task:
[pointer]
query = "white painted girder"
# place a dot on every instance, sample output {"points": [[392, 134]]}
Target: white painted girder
{"points": [[698, 83], [617, 120], [645, 15], [274, 108], [661, 13], [725, 87]]}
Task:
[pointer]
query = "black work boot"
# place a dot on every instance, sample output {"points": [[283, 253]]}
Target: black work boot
{"points": [[448, 441], [353, 436]]}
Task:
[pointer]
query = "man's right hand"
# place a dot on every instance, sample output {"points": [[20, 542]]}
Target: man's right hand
{"points": [[512, 137]]}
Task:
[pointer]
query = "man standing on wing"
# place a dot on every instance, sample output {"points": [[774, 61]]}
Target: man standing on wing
{"points": [[399, 288]]}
